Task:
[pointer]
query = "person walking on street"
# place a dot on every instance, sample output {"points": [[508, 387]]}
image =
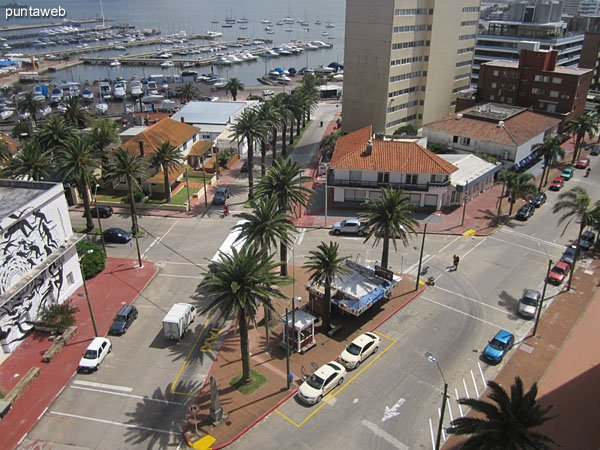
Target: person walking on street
{"points": [[456, 261], [225, 210]]}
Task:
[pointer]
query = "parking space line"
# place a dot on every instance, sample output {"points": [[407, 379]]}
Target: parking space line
{"points": [[466, 314], [533, 238], [121, 394], [178, 276], [112, 422], [157, 240], [471, 299], [449, 244], [330, 395], [478, 244]]}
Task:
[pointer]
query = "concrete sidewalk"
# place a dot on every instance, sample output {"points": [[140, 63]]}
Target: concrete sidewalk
{"points": [[119, 283]]}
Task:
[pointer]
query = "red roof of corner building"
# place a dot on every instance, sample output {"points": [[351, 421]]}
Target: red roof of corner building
{"points": [[13, 145], [166, 130], [386, 155], [516, 130]]}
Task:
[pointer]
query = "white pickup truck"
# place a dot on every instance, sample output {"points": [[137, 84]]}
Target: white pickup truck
{"points": [[350, 226]]}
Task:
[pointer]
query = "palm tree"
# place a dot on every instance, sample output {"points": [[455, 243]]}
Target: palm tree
{"points": [[74, 114], [295, 106], [268, 113], [389, 217], [234, 85], [54, 133], [5, 154], [575, 204], [581, 126], [165, 158], [130, 168], [249, 126], [76, 162], [551, 151], [309, 88], [275, 114], [521, 186], [188, 92], [30, 105], [103, 133], [284, 181], [286, 116], [29, 163], [242, 282], [507, 423], [325, 264]]}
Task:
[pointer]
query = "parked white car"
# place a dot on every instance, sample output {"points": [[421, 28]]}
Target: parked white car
{"points": [[321, 382], [94, 354], [359, 349]]}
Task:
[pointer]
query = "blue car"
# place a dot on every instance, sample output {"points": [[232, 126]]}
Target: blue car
{"points": [[568, 173], [498, 346]]}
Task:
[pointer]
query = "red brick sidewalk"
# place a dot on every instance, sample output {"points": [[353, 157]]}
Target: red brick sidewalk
{"points": [[119, 283]]}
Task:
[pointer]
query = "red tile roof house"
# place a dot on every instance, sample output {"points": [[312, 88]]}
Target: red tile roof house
{"points": [[362, 164], [506, 132]]}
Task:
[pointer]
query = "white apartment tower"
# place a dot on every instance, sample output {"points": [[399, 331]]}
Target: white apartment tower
{"points": [[405, 60]]}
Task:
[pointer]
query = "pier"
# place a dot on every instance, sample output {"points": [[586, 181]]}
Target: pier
{"points": [[30, 26]]}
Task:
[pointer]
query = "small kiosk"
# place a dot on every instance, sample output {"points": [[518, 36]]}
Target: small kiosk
{"points": [[301, 334]]}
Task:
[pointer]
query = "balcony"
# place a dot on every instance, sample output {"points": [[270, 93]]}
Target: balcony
{"points": [[423, 187]]}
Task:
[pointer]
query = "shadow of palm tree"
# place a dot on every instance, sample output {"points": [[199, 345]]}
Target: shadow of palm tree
{"points": [[510, 303], [158, 419]]}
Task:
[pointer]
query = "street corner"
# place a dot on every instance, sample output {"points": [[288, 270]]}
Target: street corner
{"points": [[195, 436]]}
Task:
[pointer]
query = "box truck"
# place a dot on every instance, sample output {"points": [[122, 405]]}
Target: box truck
{"points": [[178, 319]]}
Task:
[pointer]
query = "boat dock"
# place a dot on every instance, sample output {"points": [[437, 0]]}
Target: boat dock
{"points": [[30, 26]]}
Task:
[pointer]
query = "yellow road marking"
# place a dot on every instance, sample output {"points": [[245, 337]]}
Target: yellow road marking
{"points": [[330, 395], [470, 232]]}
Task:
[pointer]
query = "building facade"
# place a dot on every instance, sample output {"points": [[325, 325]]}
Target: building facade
{"points": [[405, 61], [39, 265]]}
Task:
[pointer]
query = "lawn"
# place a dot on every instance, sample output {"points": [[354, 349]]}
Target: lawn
{"points": [[111, 198], [257, 381], [199, 179]]}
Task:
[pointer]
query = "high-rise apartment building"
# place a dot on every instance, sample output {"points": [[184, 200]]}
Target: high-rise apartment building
{"points": [[581, 7], [405, 60]]}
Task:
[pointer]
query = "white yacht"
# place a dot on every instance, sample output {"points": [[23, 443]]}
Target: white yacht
{"points": [[101, 107], [105, 90], [115, 63], [167, 64], [120, 90], [135, 88], [214, 34], [87, 95], [152, 96]]}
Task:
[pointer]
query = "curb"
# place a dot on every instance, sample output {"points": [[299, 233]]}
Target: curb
{"points": [[398, 309]]}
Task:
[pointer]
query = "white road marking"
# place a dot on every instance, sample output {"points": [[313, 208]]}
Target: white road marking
{"points": [[475, 384], [156, 241], [523, 246], [416, 265], [140, 397], [393, 411], [432, 435], [384, 435], [449, 244], [533, 238], [102, 385], [471, 299], [466, 314], [111, 422], [478, 244], [482, 377], [178, 276], [459, 405]]}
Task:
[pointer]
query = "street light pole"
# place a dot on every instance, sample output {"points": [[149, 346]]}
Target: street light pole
{"points": [[539, 311], [326, 192], [438, 440], [421, 256], [500, 202], [98, 215], [287, 348], [464, 207]]}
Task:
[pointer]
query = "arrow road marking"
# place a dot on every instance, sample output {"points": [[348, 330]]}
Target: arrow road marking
{"points": [[393, 411]]}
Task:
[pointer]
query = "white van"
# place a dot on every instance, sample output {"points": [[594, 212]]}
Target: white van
{"points": [[176, 321]]}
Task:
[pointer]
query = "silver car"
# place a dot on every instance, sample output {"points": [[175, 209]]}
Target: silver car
{"points": [[529, 304]]}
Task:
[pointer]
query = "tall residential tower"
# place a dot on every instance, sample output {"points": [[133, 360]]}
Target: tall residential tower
{"points": [[405, 60]]}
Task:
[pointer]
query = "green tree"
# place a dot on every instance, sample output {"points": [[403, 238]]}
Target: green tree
{"points": [[269, 115], [188, 92], [284, 181], [325, 264], [552, 152], [241, 282], [250, 127], [165, 158], [104, 132], [234, 85], [311, 92], [76, 162], [575, 205], [521, 185], [285, 116], [132, 170], [296, 106], [581, 126], [92, 263], [21, 131], [53, 133], [74, 114], [389, 217], [58, 316], [406, 130], [29, 163], [437, 148], [30, 105], [328, 144], [5, 154], [507, 422]]}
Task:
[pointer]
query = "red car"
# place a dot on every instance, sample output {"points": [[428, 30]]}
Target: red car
{"points": [[557, 183], [583, 163], [559, 272]]}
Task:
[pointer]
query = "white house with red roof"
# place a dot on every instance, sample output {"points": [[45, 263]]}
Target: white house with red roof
{"points": [[362, 164]]}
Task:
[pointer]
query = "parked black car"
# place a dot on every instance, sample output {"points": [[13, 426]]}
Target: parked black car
{"points": [[569, 255], [595, 151], [525, 212], [123, 319], [538, 199], [103, 211], [117, 235], [221, 195], [587, 240]]}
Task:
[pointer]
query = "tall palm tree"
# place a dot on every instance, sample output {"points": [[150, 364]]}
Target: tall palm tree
{"points": [[269, 114], [389, 217], [521, 185], [551, 151], [188, 92], [76, 162], [575, 205], [234, 85], [241, 282], [103, 133], [581, 126], [508, 422], [165, 158], [130, 168], [250, 127], [284, 181], [275, 114], [54, 133], [286, 116], [309, 88], [296, 107], [29, 163], [30, 105], [74, 114], [325, 264]]}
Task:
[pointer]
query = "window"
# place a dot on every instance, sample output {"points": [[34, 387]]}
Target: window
{"points": [[493, 85], [383, 177], [460, 51], [409, 28], [465, 141], [496, 73], [455, 197], [556, 80], [437, 178], [455, 139], [405, 76], [70, 278], [468, 23], [470, 9], [410, 12], [354, 195], [538, 78], [504, 156], [206, 137], [412, 178], [463, 63], [554, 94], [355, 175], [465, 37], [535, 91], [401, 45]]}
